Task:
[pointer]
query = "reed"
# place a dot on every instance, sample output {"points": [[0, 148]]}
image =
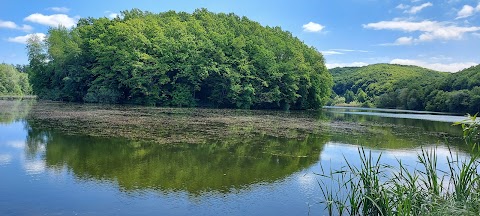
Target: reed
{"points": [[376, 188]]}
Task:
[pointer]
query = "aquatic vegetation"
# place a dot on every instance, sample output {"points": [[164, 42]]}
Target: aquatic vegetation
{"points": [[375, 188], [176, 125]]}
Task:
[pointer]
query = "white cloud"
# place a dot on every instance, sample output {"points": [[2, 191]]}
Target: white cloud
{"points": [[341, 51], [404, 40], [350, 50], [54, 20], [12, 25], [446, 67], [352, 64], [60, 9], [400, 41], [416, 9], [23, 39], [401, 25], [313, 27], [113, 15], [402, 6], [430, 30], [467, 11], [331, 52], [8, 24]]}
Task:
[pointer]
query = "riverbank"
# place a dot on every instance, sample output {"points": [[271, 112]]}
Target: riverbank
{"points": [[18, 97]]}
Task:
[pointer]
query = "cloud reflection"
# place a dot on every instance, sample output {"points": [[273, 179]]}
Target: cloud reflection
{"points": [[18, 144], [34, 167], [5, 159]]}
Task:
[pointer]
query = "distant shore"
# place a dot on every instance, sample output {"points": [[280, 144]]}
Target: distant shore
{"points": [[16, 97]]}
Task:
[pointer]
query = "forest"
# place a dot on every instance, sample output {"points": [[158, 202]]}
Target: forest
{"points": [[178, 59], [218, 60], [408, 87], [13, 82]]}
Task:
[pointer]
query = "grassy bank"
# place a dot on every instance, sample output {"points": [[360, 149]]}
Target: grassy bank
{"points": [[375, 188]]}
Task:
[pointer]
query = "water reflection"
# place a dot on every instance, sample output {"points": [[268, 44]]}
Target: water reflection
{"points": [[14, 110], [5, 159], [396, 133], [219, 165], [427, 124], [34, 167], [236, 175]]}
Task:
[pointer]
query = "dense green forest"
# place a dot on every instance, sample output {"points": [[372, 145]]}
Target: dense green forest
{"points": [[13, 82], [408, 87], [178, 59]]}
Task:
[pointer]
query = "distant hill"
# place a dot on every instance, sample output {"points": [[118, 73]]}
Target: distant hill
{"points": [[408, 87], [379, 78], [468, 78]]}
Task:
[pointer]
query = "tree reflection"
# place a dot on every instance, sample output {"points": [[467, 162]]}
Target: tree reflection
{"points": [[218, 165], [14, 110]]}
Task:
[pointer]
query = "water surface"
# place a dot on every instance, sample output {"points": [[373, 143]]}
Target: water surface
{"points": [[241, 165]]}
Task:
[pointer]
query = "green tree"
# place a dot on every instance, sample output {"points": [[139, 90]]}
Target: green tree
{"points": [[179, 59], [361, 96], [349, 96], [37, 57], [13, 82], [412, 87]]}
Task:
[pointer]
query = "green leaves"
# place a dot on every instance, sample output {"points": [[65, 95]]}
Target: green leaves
{"points": [[12, 82], [180, 59], [411, 87]]}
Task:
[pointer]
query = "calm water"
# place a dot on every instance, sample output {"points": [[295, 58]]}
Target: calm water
{"points": [[46, 172]]}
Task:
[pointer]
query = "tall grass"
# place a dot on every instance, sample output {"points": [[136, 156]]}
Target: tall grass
{"points": [[375, 188]]}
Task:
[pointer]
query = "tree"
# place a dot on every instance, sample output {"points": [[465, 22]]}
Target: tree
{"points": [[13, 82], [349, 96], [361, 96], [179, 59], [411, 87], [38, 60]]}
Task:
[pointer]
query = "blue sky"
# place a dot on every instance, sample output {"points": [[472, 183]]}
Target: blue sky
{"points": [[442, 35]]}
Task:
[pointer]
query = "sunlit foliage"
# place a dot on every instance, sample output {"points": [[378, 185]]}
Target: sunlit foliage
{"points": [[179, 59], [411, 87]]}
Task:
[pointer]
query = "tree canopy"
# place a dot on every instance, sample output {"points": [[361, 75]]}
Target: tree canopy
{"points": [[411, 87], [13, 82], [179, 59]]}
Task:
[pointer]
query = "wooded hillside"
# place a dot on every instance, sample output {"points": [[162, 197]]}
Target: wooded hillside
{"points": [[410, 87]]}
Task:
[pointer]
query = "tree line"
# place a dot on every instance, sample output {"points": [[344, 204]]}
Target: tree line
{"points": [[178, 59], [13, 82], [408, 87]]}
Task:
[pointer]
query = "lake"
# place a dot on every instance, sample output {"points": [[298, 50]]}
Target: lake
{"points": [[74, 159]]}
